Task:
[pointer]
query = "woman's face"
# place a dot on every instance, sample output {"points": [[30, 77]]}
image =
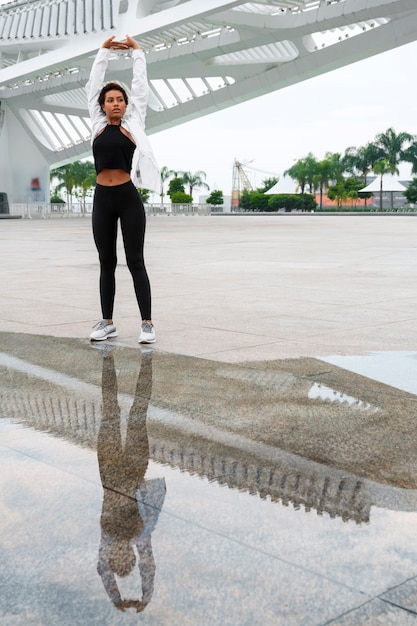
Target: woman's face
{"points": [[114, 105]]}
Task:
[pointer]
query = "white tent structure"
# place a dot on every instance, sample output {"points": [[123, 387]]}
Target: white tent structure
{"points": [[284, 185], [385, 183], [389, 183]]}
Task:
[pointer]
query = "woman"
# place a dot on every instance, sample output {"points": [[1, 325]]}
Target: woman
{"points": [[124, 160]]}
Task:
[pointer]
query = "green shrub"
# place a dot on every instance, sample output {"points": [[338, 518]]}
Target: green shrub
{"points": [[292, 202], [180, 197]]}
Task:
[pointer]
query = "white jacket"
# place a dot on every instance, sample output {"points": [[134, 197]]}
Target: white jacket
{"points": [[145, 171]]}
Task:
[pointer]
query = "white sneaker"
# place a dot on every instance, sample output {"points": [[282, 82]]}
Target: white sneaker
{"points": [[147, 333], [103, 331]]}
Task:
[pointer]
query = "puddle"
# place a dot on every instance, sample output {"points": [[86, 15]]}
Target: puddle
{"points": [[132, 480]]}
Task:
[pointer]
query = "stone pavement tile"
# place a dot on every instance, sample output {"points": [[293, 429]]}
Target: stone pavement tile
{"points": [[47, 532], [224, 273], [275, 350], [390, 336], [252, 321], [80, 329], [405, 595], [195, 341], [366, 557], [36, 313], [375, 613], [233, 584], [50, 547]]}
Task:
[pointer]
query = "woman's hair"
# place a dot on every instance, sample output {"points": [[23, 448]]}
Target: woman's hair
{"points": [[111, 87]]}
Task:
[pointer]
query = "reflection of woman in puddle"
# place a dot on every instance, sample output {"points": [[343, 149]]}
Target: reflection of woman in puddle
{"points": [[131, 505]]}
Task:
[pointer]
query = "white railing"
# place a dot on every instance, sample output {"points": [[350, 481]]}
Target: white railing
{"points": [[30, 210], [177, 209], [43, 210]]}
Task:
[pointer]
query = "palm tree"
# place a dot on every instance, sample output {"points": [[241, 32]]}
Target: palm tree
{"points": [[85, 175], [165, 174], [380, 168], [331, 168], [360, 161], [337, 165], [78, 175], [410, 155], [66, 174], [303, 172], [393, 148], [194, 180], [323, 176]]}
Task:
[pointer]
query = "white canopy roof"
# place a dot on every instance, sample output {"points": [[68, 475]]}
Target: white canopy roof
{"points": [[389, 183], [284, 185]]}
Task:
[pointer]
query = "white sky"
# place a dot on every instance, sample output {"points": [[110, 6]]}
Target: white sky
{"points": [[343, 108]]}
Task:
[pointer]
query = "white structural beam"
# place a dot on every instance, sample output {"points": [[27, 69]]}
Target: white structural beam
{"points": [[203, 56]]}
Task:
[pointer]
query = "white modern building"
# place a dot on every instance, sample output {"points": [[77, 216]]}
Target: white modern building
{"points": [[203, 56]]}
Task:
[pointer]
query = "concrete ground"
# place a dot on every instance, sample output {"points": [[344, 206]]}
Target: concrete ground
{"points": [[258, 462], [231, 289]]}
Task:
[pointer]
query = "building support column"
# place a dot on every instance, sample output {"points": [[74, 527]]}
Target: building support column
{"points": [[24, 171]]}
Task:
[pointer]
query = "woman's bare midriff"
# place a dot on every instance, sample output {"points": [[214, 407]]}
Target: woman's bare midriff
{"points": [[109, 178]]}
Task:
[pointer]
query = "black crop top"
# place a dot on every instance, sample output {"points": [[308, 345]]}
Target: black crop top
{"points": [[113, 150]]}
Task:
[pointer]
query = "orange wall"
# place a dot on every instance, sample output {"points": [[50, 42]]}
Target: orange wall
{"points": [[327, 202]]}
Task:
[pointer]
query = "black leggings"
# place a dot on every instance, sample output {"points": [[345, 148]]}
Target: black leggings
{"points": [[110, 204]]}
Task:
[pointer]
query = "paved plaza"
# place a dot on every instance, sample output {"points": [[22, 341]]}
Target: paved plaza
{"points": [[256, 465]]}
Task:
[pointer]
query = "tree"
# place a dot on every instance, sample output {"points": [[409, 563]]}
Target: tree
{"points": [[323, 176], [258, 201], [337, 165], [410, 155], [267, 184], [215, 198], [411, 192], [393, 148], [380, 168], [85, 179], [361, 161], [310, 163], [175, 184], [195, 179], [344, 189], [75, 178], [67, 177], [144, 194], [56, 199], [253, 201], [337, 192], [244, 202], [165, 174], [302, 172]]}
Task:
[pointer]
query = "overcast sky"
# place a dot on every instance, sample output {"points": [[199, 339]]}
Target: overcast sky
{"points": [[343, 108]]}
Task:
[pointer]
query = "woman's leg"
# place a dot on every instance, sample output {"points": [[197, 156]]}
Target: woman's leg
{"points": [[104, 221], [133, 221]]}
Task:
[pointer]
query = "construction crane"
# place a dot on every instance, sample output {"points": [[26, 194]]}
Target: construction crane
{"points": [[241, 180]]}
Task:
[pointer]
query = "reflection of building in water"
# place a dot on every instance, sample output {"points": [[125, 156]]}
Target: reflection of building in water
{"points": [[314, 487], [319, 488], [305, 433]]}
